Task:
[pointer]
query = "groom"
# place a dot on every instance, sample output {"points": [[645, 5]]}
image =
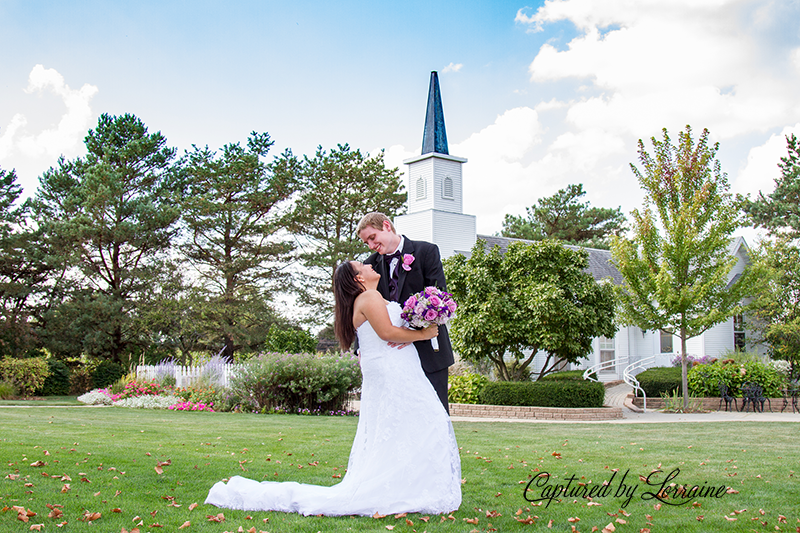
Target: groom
{"points": [[407, 267]]}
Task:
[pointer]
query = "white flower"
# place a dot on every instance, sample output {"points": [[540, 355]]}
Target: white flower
{"points": [[148, 402], [95, 397]]}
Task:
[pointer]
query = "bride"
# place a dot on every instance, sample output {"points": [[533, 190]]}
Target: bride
{"points": [[404, 457]]}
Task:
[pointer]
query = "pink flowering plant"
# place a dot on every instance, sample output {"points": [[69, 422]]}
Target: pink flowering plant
{"points": [[429, 307], [140, 388], [192, 406], [408, 259]]}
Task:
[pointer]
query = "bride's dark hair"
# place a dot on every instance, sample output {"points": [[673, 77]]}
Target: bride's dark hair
{"points": [[345, 290]]}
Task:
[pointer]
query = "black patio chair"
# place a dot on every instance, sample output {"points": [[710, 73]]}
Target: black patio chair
{"points": [[724, 396], [753, 393]]}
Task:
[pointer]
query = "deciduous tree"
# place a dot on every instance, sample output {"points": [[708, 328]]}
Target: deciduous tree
{"points": [[677, 264], [537, 296], [775, 308]]}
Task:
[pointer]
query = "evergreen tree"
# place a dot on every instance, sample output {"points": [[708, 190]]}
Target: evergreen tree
{"points": [[234, 220], [112, 215], [779, 212], [337, 189], [563, 217]]}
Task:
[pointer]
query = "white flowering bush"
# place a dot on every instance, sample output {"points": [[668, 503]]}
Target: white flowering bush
{"points": [[148, 402], [781, 366], [95, 397]]}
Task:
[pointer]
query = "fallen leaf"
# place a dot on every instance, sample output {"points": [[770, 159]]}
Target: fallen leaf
{"points": [[401, 515], [192, 506], [185, 525], [529, 520], [609, 528], [377, 516], [573, 519], [471, 521]]}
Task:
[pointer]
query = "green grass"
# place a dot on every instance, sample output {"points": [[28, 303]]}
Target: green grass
{"points": [[44, 401], [111, 454]]}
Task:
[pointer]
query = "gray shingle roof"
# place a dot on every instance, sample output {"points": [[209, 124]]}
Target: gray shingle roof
{"points": [[600, 265]]}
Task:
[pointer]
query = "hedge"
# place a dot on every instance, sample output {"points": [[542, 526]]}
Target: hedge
{"points": [[57, 383], [658, 380], [570, 375], [553, 393]]}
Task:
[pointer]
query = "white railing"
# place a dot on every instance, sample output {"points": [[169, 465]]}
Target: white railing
{"points": [[605, 365], [188, 375], [630, 379]]}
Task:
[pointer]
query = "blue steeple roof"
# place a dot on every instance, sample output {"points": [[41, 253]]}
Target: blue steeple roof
{"points": [[434, 139]]}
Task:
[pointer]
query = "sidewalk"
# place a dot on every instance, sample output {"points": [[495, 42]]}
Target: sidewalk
{"points": [[616, 397]]}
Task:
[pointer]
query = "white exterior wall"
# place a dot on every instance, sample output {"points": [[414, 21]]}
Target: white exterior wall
{"points": [[434, 169], [451, 232]]}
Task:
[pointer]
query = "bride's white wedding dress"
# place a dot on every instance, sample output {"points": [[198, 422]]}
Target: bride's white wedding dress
{"points": [[404, 457]]}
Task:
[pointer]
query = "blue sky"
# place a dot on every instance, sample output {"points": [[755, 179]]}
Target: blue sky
{"points": [[536, 96]]}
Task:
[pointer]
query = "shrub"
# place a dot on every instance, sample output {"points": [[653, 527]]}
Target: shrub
{"points": [[293, 382], [554, 393], [659, 380], [289, 341], [28, 375], [201, 395], [566, 375], [466, 388], [80, 378], [106, 373], [57, 383], [7, 390], [704, 379]]}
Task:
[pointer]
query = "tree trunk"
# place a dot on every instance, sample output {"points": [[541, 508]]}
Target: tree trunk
{"points": [[684, 372]]}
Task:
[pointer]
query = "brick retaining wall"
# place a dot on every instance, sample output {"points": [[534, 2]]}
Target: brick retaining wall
{"points": [[713, 404], [535, 413]]}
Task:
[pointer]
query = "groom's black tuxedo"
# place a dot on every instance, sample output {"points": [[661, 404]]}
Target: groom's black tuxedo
{"points": [[426, 270]]}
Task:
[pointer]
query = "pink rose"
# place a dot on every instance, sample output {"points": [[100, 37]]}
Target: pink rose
{"points": [[431, 315], [435, 301], [411, 302], [407, 260], [451, 305]]}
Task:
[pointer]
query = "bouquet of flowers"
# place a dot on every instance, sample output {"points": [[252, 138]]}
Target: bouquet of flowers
{"points": [[431, 306]]}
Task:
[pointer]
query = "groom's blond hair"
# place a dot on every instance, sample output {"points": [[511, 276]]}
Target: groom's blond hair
{"points": [[374, 220]]}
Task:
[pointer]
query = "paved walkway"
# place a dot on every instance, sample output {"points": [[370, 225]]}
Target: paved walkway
{"points": [[617, 395]]}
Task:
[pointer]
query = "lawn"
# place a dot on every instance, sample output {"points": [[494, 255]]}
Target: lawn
{"points": [[109, 468]]}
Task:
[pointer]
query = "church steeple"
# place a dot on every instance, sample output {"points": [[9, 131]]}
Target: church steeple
{"points": [[434, 138]]}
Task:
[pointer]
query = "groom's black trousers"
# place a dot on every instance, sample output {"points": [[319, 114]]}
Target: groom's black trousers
{"points": [[439, 381]]}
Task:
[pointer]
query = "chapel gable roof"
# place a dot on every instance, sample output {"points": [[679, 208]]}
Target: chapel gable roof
{"points": [[600, 265]]}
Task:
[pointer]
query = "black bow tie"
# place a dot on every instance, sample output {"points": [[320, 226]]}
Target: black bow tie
{"points": [[392, 257]]}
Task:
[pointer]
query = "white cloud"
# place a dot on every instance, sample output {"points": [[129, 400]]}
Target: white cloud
{"points": [[666, 64], [66, 136], [452, 67], [761, 169]]}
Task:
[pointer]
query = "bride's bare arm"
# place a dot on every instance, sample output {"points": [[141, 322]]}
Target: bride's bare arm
{"points": [[371, 306]]}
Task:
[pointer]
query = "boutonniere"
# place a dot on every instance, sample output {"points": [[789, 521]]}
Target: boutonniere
{"points": [[407, 260]]}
